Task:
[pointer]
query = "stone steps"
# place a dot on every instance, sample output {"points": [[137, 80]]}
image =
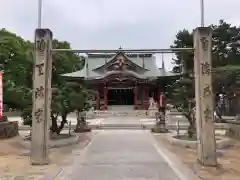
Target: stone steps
{"points": [[130, 113], [120, 126]]}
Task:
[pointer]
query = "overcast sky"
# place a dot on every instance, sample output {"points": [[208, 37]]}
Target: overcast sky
{"points": [[114, 23]]}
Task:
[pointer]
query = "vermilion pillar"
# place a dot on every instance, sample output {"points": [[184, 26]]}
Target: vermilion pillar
{"points": [[135, 96], [143, 97], [105, 93], [161, 99], [159, 95], [147, 94], [97, 100]]}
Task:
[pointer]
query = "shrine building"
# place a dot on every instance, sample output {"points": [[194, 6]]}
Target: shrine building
{"points": [[123, 79]]}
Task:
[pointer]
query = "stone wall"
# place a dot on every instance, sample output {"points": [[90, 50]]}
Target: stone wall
{"points": [[8, 129]]}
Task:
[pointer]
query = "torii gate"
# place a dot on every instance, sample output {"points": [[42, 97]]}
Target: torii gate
{"points": [[203, 92]]}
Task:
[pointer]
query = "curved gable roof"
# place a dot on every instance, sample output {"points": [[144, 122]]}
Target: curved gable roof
{"points": [[113, 59], [94, 67]]}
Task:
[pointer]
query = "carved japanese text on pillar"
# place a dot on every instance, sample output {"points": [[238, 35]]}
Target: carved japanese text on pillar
{"points": [[39, 115], [40, 69], [207, 91], [40, 46], [205, 68], [39, 92], [204, 42], [208, 114]]}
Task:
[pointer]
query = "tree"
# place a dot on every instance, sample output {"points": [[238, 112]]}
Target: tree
{"points": [[184, 39], [225, 41], [64, 62], [183, 97], [223, 47], [16, 61], [61, 104], [80, 99], [225, 56]]}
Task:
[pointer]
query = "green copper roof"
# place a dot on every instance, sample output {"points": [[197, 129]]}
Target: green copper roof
{"points": [[146, 64]]}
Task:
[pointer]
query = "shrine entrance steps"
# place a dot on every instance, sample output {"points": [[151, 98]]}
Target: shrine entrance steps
{"points": [[127, 122], [123, 117], [119, 110], [136, 119]]}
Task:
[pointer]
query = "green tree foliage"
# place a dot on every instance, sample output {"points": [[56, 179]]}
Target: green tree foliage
{"points": [[65, 100], [225, 53], [16, 62], [184, 39], [226, 65], [184, 100], [225, 41]]}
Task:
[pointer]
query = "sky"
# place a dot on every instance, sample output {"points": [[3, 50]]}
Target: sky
{"points": [[102, 24]]}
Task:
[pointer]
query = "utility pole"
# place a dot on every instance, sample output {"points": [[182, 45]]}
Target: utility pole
{"points": [[39, 14], [202, 12]]}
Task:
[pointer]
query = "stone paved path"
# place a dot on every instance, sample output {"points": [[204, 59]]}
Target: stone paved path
{"points": [[121, 155]]}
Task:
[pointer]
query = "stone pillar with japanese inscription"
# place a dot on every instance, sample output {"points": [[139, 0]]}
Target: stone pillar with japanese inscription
{"points": [[42, 94], [204, 96]]}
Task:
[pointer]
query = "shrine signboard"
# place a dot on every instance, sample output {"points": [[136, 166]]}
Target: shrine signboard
{"points": [[1, 96]]}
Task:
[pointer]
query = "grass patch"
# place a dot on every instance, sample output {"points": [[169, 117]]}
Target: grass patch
{"points": [[193, 138], [53, 137], [60, 136], [186, 137]]}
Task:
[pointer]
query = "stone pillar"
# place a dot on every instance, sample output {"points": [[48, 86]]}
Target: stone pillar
{"points": [[204, 96], [42, 94], [97, 100], [135, 95], [105, 93]]}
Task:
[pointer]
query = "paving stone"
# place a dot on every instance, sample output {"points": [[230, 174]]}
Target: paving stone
{"points": [[121, 154]]}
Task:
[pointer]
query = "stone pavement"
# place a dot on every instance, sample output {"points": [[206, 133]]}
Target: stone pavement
{"points": [[125, 120], [112, 155], [118, 155]]}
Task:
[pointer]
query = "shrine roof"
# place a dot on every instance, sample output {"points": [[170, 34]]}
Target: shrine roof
{"points": [[95, 65]]}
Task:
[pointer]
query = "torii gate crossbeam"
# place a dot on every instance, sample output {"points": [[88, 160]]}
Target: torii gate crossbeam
{"points": [[170, 50]]}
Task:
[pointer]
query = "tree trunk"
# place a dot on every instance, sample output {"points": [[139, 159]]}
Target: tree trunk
{"points": [[78, 119], [191, 130], [63, 122], [55, 128], [191, 127], [54, 124]]}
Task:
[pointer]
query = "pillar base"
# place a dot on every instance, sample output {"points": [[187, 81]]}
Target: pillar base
{"points": [[82, 129], [136, 107], [212, 164]]}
